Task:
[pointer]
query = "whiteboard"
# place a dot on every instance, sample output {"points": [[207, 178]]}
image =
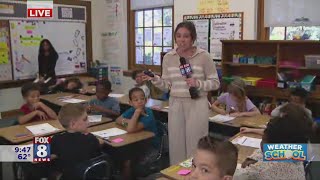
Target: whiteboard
{"points": [[68, 38]]}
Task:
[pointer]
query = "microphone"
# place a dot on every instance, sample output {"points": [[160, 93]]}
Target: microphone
{"points": [[186, 70]]}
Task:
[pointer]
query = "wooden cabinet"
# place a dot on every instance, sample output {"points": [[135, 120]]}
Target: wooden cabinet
{"points": [[283, 51]]}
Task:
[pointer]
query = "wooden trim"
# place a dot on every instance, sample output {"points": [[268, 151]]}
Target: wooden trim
{"points": [[87, 4], [260, 21]]}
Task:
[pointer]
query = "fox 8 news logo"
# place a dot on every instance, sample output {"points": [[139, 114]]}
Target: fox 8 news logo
{"points": [[41, 149]]}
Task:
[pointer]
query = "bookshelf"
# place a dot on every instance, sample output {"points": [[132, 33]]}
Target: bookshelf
{"points": [[283, 51]]}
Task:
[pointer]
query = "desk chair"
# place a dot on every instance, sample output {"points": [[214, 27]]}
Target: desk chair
{"points": [[163, 133], [98, 168], [154, 164]]}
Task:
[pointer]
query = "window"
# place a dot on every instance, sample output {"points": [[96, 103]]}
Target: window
{"points": [[152, 35], [295, 33]]}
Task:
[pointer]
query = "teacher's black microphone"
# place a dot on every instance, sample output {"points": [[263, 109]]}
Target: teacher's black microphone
{"points": [[186, 70]]}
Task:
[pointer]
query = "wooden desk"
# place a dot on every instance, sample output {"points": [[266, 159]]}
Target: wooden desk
{"points": [[9, 133], [104, 120], [154, 104], [128, 138], [259, 121], [54, 98], [172, 171], [245, 151]]}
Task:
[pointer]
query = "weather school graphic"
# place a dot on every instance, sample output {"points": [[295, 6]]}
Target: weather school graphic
{"points": [[285, 152]]}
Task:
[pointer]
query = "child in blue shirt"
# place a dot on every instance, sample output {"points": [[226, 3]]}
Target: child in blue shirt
{"points": [[138, 118], [103, 104]]}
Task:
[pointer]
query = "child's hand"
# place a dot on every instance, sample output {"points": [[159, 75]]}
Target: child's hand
{"points": [[138, 111], [96, 108], [37, 105], [245, 130], [248, 162], [42, 115], [236, 114]]}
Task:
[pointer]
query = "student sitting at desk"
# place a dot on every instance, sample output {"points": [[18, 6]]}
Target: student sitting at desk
{"points": [[294, 127], [72, 85], [285, 110], [214, 159], [104, 105], [75, 145], [137, 76], [33, 109], [136, 119], [236, 102], [297, 96]]}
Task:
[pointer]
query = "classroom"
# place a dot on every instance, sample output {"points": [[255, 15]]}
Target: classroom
{"points": [[159, 89]]}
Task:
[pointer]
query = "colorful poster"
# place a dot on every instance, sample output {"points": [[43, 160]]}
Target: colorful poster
{"points": [[115, 75], [223, 29], [202, 27], [5, 58], [213, 6]]}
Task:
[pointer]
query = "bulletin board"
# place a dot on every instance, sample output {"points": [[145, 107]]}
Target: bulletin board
{"points": [[211, 28], [68, 39], [5, 59]]}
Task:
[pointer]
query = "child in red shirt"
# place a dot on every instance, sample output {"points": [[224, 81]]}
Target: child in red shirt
{"points": [[33, 109]]}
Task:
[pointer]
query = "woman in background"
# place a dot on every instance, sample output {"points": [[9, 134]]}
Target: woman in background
{"points": [[47, 60]]}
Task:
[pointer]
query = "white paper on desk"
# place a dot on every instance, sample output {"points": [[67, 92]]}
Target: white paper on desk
{"points": [[73, 100], [221, 118], [41, 129], [94, 118], [109, 132], [116, 95], [247, 141]]}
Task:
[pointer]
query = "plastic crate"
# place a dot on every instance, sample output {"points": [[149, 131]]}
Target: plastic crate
{"points": [[267, 83], [307, 82], [312, 61], [251, 81], [227, 79]]}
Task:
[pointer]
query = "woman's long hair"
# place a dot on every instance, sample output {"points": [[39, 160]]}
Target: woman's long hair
{"points": [[52, 51]]}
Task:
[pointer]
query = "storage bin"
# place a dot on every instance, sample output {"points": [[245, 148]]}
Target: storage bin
{"points": [[227, 79], [235, 58], [307, 82], [251, 81], [267, 83], [312, 61], [250, 60]]}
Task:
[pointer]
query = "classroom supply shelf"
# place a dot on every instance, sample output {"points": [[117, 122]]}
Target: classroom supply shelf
{"points": [[288, 56]]}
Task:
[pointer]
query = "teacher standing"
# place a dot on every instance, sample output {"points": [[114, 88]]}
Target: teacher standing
{"points": [[188, 118], [47, 60]]}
